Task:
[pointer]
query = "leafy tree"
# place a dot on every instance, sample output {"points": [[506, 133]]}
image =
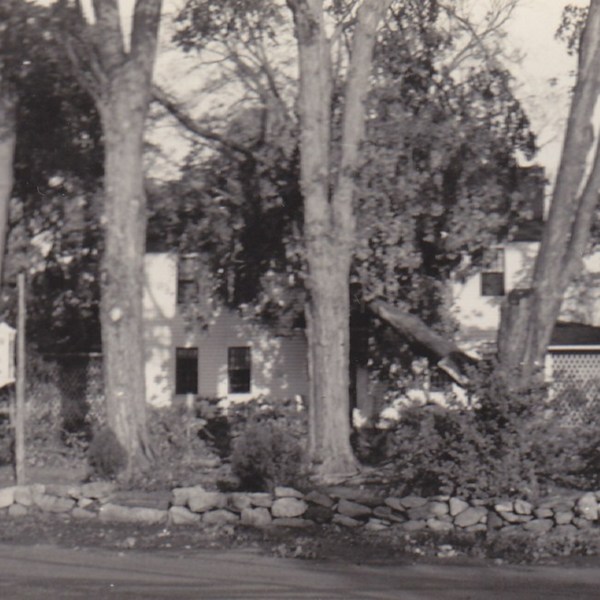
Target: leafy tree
{"points": [[437, 177], [117, 72], [45, 229]]}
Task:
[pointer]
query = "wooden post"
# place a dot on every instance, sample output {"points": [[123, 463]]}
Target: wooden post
{"points": [[20, 385]]}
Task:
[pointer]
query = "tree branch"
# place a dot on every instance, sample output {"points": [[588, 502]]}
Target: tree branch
{"points": [[449, 356], [189, 123]]}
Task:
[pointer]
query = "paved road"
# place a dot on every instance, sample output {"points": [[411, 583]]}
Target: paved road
{"points": [[43, 572]]}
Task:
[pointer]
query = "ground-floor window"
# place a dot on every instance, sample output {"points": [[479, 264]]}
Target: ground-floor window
{"points": [[186, 370], [239, 369]]}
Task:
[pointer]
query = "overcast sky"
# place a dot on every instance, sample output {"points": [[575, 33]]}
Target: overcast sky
{"points": [[545, 77]]}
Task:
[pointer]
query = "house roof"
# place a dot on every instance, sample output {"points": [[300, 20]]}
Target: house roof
{"points": [[575, 334]]}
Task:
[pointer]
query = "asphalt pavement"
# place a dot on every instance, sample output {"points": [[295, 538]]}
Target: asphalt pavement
{"points": [[49, 573]]}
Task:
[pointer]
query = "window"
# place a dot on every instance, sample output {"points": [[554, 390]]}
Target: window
{"points": [[187, 280], [238, 369], [186, 370], [492, 279]]}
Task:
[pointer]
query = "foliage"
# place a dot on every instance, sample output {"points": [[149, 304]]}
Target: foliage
{"points": [[488, 450], [54, 213], [179, 451], [266, 454], [106, 455], [268, 443], [571, 26]]}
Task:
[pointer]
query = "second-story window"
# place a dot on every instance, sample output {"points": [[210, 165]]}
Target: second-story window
{"points": [[492, 279], [188, 289]]}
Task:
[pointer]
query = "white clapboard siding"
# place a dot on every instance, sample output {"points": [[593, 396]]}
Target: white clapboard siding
{"points": [[278, 362]]}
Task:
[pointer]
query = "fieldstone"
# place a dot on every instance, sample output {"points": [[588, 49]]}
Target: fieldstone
{"points": [[457, 505], [565, 530], [61, 490], [17, 510], [543, 513], [412, 501], [354, 495], [564, 517], [238, 501], [97, 489], [587, 506], [256, 517], [261, 499], [84, 502], [160, 499], [180, 515], [522, 507], [345, 521], [219, 517], [293, 523], [181, 495], [494, 521], [128, 514], [558, 503], [82, 514], [376, 525], [582, 523], [539, 526], [414, 525], [288, 507], [438, 509], [201, 501], [503, 506], [437, 525], [353, 509], [54, 504], [287, 492], [385, 512], [320, 499], [319, 514], [477, 528], [395, 504], [470, 516], [420, 512], [7, 496], [23, 495], [512, 517]]}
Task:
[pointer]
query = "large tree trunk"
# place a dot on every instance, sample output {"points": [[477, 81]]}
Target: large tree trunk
{"points": [[7, 153], [122, 266], [119, 77], [529, 318], [329, 221]]}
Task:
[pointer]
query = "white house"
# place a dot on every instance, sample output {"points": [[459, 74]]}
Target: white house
{"points": [[574, 351], [231, 357]]}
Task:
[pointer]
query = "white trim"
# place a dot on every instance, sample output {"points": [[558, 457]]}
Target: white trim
{"points": [[575, 348]]}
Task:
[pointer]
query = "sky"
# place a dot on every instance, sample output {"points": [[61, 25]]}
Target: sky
{"points": [[545, 77]]}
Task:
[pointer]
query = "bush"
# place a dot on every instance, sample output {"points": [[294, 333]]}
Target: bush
{"points": [[179, 452], [267, 454], [106, 455], [267, 442], [491, 449]]}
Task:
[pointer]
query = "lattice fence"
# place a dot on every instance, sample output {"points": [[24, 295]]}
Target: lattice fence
{"points": [[576, 386]]}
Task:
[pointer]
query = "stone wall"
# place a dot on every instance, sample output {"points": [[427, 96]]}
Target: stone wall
{"points": [[287, 507]]}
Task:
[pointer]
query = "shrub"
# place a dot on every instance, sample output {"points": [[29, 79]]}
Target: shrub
{"points": [[267, 453], [106, 455], [490, 449]]}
